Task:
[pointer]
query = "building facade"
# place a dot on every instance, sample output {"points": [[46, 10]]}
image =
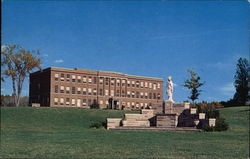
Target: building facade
{"points": [[60, 87]]}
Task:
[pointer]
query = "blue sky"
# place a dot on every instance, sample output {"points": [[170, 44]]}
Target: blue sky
{"points": [[147, 38]]}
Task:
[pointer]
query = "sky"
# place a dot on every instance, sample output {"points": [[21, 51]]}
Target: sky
{"points": [[145, 38]]}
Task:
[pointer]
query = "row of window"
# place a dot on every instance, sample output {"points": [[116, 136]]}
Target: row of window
{"points": [[88, 102], [118, 93], [107, 81]]}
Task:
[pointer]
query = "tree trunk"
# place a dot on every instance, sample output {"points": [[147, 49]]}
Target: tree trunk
{"points": [[19, 86], [14, 91]]}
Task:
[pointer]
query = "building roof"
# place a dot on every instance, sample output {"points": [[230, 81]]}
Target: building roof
{"points": [[96, 72]]}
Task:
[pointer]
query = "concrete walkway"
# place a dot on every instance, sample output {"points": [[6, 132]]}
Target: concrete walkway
{"points": [[175, 129]]}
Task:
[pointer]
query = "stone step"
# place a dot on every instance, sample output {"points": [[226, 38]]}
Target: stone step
{"points": [[135, 123], [176, 129]]}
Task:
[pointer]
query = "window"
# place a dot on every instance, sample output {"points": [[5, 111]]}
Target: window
{"points": [[137, 84], [67, 90], [106, 92], [78, 90], [89, 102], [128, 83], [123, 93], [68, 77], [101, 80], [62, 89], [73, 90], [146, 84], [61, 101], [62, 77], [141, 105], [56, 88], [101, 102], [117, 93], [142, 85], [84, 91], [146, 95], [128, 104], [128, 94], [150, 85], [73, 78], [158, 96], [154, 86], [67, 101], [154, 95], [132, 103], [89, 91], [112, 93], [112, 81], [90, 79], [107, 102], [94, 91], [100, 92], [95, 80], [118, 83], [84, 102], [146, 104], [55, 101], [84, 79], [150, 95], [141, 94], [133, 83], [78, 102], [56, 77], [137, 94], [123, 83], [73, 102], [79, 79], [158, 85], [106, 81], [133, 94]]}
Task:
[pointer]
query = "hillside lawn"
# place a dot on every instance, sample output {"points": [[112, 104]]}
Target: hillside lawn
{"points": [[64, 133]]}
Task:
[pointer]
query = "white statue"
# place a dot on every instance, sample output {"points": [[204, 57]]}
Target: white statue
{"points": [[170, 89]]}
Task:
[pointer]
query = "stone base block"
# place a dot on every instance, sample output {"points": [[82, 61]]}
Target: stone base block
{"points": [[211, 121], [166, 120], [113, 122]]}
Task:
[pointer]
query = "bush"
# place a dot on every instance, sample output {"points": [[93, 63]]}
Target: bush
{"points": [[221, 125], [98, 125], [95, 105], [209, 111], [208, 128]]}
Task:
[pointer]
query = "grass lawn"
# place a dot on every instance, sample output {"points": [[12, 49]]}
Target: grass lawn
{"points": [[64, 133]]}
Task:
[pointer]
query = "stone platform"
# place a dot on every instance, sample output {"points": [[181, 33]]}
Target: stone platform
{"points": [[174, 129]]}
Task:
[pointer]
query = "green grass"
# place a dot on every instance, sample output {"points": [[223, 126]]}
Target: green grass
{"points": [[65, 133]]}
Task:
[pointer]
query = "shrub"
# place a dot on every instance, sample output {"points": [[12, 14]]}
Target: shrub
{"points": [[221, 125], [95, 105], [98, 125], [208, 128]]}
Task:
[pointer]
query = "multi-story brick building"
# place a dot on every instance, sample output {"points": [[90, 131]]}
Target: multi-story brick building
{"points": [[59, 87]]}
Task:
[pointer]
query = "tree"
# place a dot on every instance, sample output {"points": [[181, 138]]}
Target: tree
{"points": [[193, 84], [17, 64], [241, 84]]}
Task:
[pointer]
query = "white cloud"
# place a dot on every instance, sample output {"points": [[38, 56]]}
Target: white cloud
{"points": [[227, 89], [174, 84], [58, 61]]}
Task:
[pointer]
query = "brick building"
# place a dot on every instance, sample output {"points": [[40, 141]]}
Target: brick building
{"points": [[60, 87]]}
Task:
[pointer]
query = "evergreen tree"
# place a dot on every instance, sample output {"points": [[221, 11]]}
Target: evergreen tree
{"points": [[193, 84], [241, 82]]}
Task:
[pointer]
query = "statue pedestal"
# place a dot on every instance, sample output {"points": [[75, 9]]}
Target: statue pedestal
{"points": [[168, 107]]}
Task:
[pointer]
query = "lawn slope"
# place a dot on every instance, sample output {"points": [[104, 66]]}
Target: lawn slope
{"points": [[65, 133]]}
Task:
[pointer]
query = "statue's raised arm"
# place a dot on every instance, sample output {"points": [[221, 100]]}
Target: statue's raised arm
{"points": [[170, 89]]}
